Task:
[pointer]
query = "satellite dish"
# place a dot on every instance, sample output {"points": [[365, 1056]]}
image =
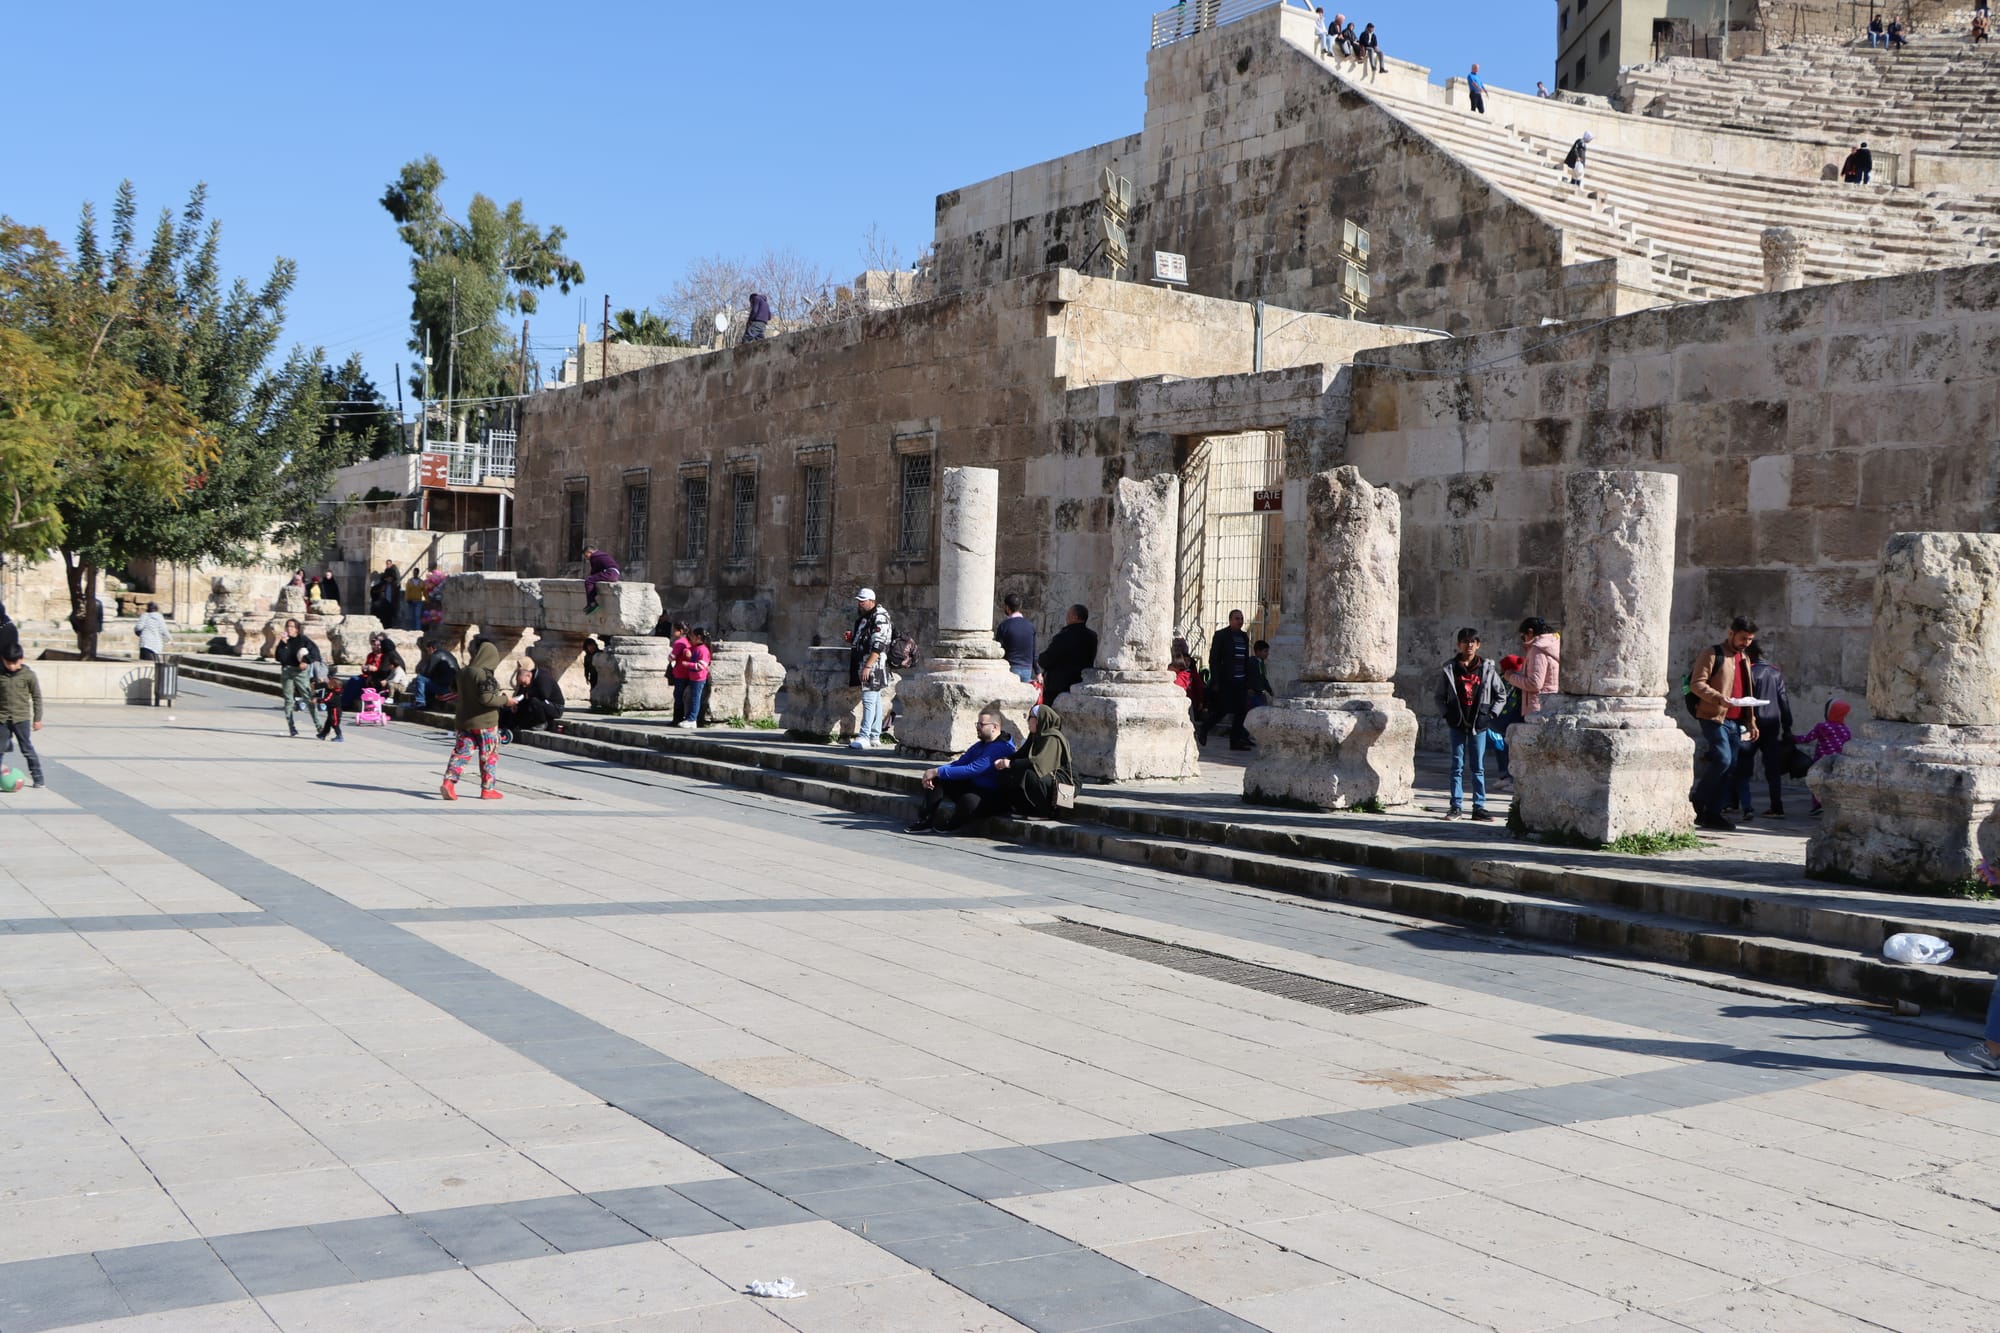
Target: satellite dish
{"points": [[721, 321]]}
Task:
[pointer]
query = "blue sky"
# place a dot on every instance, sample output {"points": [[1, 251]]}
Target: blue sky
{"points": [[654, 133]]}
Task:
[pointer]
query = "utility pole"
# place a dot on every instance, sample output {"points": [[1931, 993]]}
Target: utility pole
{"points": [[451, 366], [399, 397], [604, 361], [521, 386]]}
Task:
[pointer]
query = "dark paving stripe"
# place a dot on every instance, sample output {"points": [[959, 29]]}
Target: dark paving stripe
{"points": [[1057, 1285]]}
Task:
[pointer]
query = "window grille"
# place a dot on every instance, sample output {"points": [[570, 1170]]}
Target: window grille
{"points": [[579, 512], [817, 507], [914, 536], [638, 500], [694, 518], [742, 515]]}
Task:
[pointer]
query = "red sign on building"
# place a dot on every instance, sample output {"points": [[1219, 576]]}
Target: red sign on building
{"points": [[434, 470]]}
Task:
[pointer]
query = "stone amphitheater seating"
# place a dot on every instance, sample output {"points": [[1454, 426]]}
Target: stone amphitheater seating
{"points": [[1939, 91], [1697, 224]]}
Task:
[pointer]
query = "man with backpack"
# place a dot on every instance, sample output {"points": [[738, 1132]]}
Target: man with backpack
{"points": [[1229, 678], [1721, 683], [868, 665]]}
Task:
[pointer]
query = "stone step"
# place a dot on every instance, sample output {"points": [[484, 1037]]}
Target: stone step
{"points": [[1788, 938]]}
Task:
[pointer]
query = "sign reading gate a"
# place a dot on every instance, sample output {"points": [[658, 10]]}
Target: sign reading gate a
{"points": [[1269, 500]]}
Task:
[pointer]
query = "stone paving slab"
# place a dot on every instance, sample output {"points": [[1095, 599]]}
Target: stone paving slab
{"points": [[1575, 1143]]}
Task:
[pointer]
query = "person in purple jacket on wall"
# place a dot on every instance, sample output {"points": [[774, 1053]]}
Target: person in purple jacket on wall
{"points": [[601, 569], [760, 317], [971, 784]]}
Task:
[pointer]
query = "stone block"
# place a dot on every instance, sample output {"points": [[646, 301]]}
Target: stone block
{"points": [[1908, 806], [1333, 748], [820, 704], [632, 676], [937, 709], [743, 680], [1618, 567], [1602, 769], [350, 639], [622, 608], [1130, 727], [1936, 653], [561, 655]]}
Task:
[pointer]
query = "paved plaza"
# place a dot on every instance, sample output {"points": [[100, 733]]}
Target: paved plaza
{"points": [[291, 1043]]}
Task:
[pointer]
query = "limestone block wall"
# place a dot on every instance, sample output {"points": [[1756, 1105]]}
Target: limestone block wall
{"points": [[1805, 427], [984, 378], [1251, 158]]}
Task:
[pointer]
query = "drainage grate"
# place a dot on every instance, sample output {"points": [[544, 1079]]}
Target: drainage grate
{"points": [[1217, 967]]}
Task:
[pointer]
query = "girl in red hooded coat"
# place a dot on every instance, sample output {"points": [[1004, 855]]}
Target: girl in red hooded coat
{"points": [[1829, 737]]}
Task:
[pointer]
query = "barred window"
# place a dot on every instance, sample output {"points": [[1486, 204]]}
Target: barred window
{"points": [[742, 515], [694, 518], [638, 501], [913, 537], [579, 513], [817, 508]]}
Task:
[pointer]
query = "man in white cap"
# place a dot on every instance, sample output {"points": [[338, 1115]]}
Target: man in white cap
{"points": [[1578, 151], [868, 665]]}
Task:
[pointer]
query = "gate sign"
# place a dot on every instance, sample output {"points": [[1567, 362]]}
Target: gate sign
{"points": [[1269, 500], [1169, 267], [434, 470]]}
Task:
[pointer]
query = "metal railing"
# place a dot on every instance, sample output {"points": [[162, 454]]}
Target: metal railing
{"points": [[473, 461], [1192, 16]]}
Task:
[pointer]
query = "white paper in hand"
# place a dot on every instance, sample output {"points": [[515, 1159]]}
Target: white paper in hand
{"points": [[1748, 701]]}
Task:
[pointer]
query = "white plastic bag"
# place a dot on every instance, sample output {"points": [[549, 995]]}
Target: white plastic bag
{"points": [[784, 1289], [1908, 948]]}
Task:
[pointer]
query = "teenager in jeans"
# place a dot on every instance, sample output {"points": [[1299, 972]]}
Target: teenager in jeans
{"points": [[1727, 709], [1468, 693]]}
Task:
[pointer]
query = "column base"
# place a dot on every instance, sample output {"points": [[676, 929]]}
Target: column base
{"points": [[937, 709], [560, 653], [632, 676], [1908, 805], [1333, 749], [819, 703], [1129, 726], [1600, 769], [743, 680]]}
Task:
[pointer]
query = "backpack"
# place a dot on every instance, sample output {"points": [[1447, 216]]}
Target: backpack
{"points": [[902, 653], [491, 695]]}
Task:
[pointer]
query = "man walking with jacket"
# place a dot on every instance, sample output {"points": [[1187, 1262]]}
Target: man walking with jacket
{"points": [[1229, 683], [1070, 653], [1468, 693], [1727, 710], [868, 665]]}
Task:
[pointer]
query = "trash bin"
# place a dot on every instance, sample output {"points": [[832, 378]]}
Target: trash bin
{"points": [[166, 680]]}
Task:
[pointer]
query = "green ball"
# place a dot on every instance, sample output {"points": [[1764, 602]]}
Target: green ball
{"points": [[10, 779]]}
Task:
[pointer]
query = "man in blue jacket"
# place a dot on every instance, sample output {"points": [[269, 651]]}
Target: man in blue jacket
{"points": [[1476, 86], [970, 782]]}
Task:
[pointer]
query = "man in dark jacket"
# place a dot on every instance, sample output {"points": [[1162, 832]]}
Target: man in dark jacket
{"points": [[296, 655], [868, 665], [1859, 166], [1070, 653], [1228, 683], [760, 318], [1469, 693], [1016, 637], [1774, 736], [537, 701]]}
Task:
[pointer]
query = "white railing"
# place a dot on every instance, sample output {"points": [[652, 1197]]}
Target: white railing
{"points": [[1193, 16], [473, 461], [500, 453]]}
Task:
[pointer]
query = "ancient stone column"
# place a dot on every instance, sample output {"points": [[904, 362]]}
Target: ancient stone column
{"points": [[745, 674], [1603, 759], [964, 671], [1343, 738], [1128, 721], [1915, 798], [1784, 260], [624, 620]]}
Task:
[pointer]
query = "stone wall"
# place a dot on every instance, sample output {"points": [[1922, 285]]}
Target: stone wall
{"points": [[1805, 428], [1025, 377], [1251, 158]]}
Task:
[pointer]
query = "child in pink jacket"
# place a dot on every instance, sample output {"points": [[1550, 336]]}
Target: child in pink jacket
{"points": [[1541, 665], [1830, 736]]}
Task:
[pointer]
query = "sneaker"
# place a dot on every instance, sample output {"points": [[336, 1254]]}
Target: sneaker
{"points": [[687, 725], [338, 739], [1454, 813], [1745, 817], [1482, 814], [1775, 812], [1715, 822], [1976, 1056], [489, 794], [921, 826], [448, 789], [856, 744]]}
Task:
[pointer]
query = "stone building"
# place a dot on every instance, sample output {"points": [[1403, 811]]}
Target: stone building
{"points": [[1521, 330]]}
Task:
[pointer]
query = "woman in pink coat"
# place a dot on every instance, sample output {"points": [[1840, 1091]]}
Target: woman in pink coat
{"points": [[1541, 665]]}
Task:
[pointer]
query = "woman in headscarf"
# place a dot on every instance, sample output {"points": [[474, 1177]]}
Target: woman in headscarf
{"points": [[1030, 778]]}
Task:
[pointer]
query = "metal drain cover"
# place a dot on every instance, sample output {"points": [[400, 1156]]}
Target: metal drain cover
{"points": [[1234, 971]]}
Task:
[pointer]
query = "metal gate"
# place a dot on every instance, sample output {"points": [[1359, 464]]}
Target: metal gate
{"points": [[1232, 538]]}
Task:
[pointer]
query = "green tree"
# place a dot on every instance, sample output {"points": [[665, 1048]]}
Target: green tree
{"points": [[464, 276], [166, 318], [77, 426], [644, 329], [358, 421]]}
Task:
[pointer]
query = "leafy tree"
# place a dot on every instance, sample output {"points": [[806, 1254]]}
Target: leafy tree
{"points": [[464, 275], [644, 329], [165, 318], [358, 422]]}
